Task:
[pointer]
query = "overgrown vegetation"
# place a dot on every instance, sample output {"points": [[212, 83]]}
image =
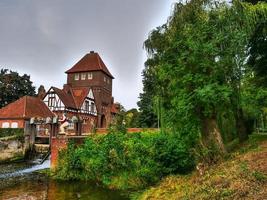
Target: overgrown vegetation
{"points": [[126, 161], [242, 176], [6, 132]]}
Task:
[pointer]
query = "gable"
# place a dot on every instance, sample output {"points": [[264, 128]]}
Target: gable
{"points": [[89, 105], [90, 94], [53, 101]]}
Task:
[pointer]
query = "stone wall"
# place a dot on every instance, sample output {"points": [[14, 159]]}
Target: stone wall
{"points": [[11, 149]]}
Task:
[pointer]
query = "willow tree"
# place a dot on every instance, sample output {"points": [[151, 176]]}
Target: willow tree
{"points": [[200, 63]]}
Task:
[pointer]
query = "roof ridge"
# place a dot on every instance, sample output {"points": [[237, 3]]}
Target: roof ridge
{"points": [[25, 104], [98, 59], [72, 96]]}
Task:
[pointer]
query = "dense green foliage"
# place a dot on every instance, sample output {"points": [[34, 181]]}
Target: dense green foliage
{"points": [[147, 117], [126, 160], [5, 132], [13, 86], [199, 61]]}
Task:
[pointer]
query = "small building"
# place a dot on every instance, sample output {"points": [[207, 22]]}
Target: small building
{"points": [[15, 114]]}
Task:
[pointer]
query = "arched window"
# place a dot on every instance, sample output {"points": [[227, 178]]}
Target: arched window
{"points": [[14, 125], [5, 125]]}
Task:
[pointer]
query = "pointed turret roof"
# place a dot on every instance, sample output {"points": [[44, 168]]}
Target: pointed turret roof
{"points": [[90, 62]]}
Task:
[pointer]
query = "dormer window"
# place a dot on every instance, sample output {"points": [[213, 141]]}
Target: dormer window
{"points": [[76, 77], [83, 76], [90, 75]]}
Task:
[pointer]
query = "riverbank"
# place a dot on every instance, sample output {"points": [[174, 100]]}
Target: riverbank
{"points": [[243, 175]]}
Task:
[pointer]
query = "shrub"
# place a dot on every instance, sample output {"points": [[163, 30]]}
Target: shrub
{"points": [[5, 132], [126, 160]]}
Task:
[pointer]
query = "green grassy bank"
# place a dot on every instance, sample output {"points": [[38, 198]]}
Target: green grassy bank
{"points": [[242, 175]]}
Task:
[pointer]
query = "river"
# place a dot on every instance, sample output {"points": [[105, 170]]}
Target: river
{"points": [[22, 181]]}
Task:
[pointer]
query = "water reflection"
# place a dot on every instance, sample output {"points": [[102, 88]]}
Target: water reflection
{"points": [[36, 186], [52, 190]]}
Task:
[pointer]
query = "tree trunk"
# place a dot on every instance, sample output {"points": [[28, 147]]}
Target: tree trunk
{"points": [[212, 134], [241, 127]]}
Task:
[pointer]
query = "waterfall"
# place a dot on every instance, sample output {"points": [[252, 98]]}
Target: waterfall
{"points": [[44, 165]]}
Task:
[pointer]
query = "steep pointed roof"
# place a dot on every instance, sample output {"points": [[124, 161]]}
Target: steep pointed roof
{"points": [[90, 62], [79, 94], [65, 97], [25, 108]]}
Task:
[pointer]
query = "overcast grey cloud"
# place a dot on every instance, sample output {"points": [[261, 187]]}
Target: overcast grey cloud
{"points": [[45, 38]]}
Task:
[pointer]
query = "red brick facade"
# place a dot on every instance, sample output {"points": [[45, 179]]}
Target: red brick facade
{"points": [[20, 123]]}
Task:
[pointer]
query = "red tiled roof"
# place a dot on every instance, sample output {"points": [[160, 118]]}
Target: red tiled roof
{"points": [[115, 108], [79, 95], [65, 97], [26, 107], [90, 62]]}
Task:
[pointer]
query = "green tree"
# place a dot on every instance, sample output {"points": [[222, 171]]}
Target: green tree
{"points": [[147, 117], [200, 65], [13, 86], [132, 118]]}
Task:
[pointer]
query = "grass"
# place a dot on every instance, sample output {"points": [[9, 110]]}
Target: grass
{"points": [[243, 175]]}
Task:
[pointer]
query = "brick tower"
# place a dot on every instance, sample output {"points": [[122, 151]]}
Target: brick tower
{"points": [[91, 72]]}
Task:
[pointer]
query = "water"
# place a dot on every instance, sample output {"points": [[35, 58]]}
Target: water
{"points": [[23, 182], [33, 168]]}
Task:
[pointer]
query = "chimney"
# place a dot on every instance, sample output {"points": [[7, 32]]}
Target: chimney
{"points": [[41, 92], [66, 88], [92, 52]]}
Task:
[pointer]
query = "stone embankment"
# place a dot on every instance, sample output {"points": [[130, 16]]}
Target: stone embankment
{"points": [[11, 148]]}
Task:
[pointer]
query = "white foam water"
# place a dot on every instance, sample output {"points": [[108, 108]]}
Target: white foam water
{"points": [[44, 165]]}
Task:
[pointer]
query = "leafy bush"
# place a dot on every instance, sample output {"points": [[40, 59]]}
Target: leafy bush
{"points": [[126, 160], [5, 132]]}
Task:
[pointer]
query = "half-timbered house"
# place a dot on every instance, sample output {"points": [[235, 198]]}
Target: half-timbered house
{"points": [[87, 94]]}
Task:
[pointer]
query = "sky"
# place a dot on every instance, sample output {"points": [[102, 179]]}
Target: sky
{"points": [[45, 38]]}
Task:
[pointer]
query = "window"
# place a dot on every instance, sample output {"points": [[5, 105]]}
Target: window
{"points": [[90, 75], [92, 107], [108, 80], [87, 106], [5, 125], [105, 79], [76, 77], [51, 101], [14, 125], [83, 76], [71, 126]]}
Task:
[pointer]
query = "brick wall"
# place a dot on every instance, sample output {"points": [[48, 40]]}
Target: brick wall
{"points": [[19, 121], [61, 142], [129, 130], [57, 144]]}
